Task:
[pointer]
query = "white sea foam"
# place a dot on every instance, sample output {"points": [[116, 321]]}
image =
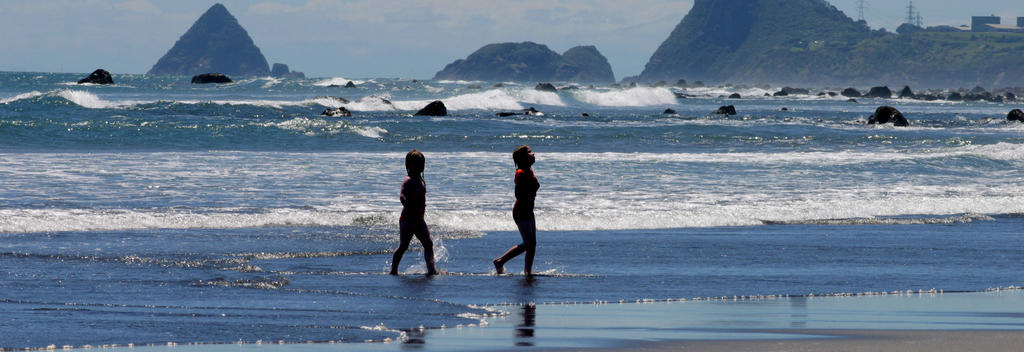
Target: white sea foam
{"points": [[92, 101], [22, 96], [371, 103], [370, 132], [338, 81], [638, 96], [494, 99], [533, 96]]}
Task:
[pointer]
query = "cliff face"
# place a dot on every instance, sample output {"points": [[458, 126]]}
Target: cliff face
{"points": [[214, 43], [529, 62], [812, 42]]}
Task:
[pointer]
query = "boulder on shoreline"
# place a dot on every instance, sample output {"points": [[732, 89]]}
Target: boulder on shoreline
{"points": [[211, 78], [100, 76], [886, 114], [435, 108]]}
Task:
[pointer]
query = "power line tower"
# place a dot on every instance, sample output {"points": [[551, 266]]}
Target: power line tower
{"points": [[910, 13], [861, 5]]}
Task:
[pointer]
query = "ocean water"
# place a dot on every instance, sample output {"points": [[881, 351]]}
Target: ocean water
{"points": [[154, 211]]}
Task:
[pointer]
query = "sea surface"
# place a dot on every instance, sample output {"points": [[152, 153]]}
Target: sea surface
{"points": [[154, 211]]}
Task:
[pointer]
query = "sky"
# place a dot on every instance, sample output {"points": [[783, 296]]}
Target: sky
{"points": [[381, 38]]}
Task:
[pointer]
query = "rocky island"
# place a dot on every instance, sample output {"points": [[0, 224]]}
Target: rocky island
{"points": [[530, 62], [810, 42], [214, 43]]}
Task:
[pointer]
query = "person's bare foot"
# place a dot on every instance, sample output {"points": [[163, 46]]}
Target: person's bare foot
{"points": [[498, 268], [432, 273], [393, 272]]}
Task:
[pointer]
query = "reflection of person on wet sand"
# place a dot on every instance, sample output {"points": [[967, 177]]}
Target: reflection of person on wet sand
{"points": [[524, 333], [522, 212], [414, 204]]}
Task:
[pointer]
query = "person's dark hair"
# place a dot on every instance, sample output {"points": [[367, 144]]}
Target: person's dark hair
{"points": [[414, 162], [519, 155]]}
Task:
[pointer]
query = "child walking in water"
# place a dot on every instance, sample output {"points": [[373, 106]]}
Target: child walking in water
{"points": [[414, 205], [522, 212]]}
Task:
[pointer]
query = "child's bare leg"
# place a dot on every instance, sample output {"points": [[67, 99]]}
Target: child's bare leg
{"points": [[423, 234], [404, 237], [499, 262], [528, 229]]}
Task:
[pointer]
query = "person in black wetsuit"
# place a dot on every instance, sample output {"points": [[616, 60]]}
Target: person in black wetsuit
{"points": [[522, 212], [414, 204]]}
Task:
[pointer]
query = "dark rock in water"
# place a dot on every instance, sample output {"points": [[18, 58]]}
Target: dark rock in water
{"points": [[767, 95], [282, 71], [879, 92], [533, 112], [350, 84], [794, 91], [735, 96], [850, 93], [906, 92], [821, 94], [498, 85], [887, 114], [726, 110], [955, 96], [334, 86], [927, 97], [528, 61], [669, 112], [214, 43], [211, 78], [784, 109], [99, 76], [506, 114], [1015, 115], [1010, 96], [585, 115], [546, 87], [832, 94], [681, 83], [473, 86], [339, 112], [680, 95], [851, 100], [337, 99], [435, 108]]}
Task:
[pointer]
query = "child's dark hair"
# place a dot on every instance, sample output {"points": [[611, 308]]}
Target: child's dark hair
{"points": [[414, 162], [519, 155]]}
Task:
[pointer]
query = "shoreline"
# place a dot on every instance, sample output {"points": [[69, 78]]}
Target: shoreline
{"points": [[976, 321]]}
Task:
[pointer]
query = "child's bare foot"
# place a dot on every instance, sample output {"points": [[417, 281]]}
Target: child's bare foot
{"points": [[432, 273], [393, 272], [498, 268]]}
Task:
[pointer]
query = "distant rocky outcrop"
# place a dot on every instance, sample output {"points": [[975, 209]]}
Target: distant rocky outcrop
{"points": [[214, 43], [282, 71], [435, 108], [211, 78], [99, 76], [811, 42], [851, 93], [887, 114], [530, 62], [879, 92]]}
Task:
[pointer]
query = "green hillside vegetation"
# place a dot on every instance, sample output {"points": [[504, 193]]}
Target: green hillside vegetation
{"points": [[811, 42]]}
